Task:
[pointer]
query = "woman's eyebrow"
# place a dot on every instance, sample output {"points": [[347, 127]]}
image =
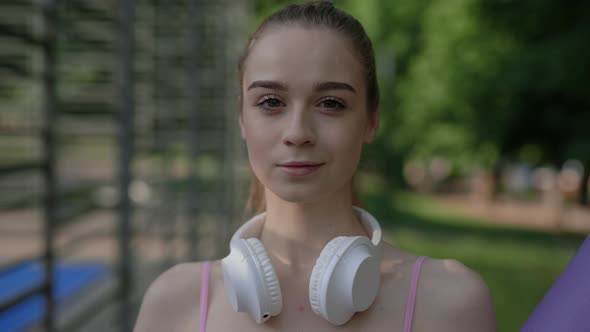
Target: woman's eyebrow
{"points": [[323, 86], [274, 85], [318, 87]]}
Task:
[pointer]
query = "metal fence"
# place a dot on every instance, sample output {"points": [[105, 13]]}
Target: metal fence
{"points": [[119, 152]]}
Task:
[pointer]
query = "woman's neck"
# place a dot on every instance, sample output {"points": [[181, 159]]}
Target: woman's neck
{"points": [[295, 233]]}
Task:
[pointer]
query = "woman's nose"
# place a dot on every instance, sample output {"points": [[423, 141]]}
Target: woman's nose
{"points": [[299, 130]]}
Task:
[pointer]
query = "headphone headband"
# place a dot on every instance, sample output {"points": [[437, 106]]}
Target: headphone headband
{"points": [[252, 227]]}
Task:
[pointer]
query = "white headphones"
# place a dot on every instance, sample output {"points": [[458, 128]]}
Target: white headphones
{"points": [[344, 280]]}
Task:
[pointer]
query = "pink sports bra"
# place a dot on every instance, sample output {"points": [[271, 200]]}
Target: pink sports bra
{"points": [[409, 305]]}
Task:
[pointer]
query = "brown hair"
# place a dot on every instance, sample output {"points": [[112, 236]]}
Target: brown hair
{"points": [[320, 14]]}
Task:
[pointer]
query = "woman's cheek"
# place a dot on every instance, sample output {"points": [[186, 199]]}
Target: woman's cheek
{"points": [[258, 150], [350, 152]]}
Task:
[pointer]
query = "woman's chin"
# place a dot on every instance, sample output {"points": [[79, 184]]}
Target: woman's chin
{"points": [[301, 195], [296, 197]]}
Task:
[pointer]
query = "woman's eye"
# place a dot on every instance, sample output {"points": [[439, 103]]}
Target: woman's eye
{"points": [[269, 102], [332, 104]]}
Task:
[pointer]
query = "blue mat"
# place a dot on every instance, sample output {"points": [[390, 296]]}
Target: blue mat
{"points": [[69, 278]]}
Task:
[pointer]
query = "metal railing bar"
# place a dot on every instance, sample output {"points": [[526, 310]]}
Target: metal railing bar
{"points": [[6, 170], [9, 31], [126, 103], [22, 296], [9, 265], [49, 101]]}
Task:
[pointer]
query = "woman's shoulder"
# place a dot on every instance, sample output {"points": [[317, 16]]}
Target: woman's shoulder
{"points": [[448, 291], [170, 296], [440, 273], [457, 294], [177, 280]]}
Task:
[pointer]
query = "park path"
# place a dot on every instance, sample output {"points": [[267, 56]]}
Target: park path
{"points": [[535, 214]]}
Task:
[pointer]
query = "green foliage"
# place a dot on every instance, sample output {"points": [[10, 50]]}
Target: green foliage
{"points": [[444, 96]]}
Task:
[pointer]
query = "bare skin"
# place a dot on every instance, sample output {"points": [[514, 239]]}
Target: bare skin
{"points": [[304, 98], [450, 297]]}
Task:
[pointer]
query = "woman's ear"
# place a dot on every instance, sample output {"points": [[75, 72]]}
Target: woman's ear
{"points": [[372, 127]]}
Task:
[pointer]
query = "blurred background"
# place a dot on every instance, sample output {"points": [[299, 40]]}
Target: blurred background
{"points": [[120, 154]]}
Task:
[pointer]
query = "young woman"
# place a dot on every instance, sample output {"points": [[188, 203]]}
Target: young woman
{"points": [[312, 260]]}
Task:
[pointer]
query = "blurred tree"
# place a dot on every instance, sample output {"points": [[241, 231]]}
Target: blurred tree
{"points": [[479, 81], [546, 78]]}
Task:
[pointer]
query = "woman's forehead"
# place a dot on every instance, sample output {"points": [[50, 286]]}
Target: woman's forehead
{"points": [[296, 54]]}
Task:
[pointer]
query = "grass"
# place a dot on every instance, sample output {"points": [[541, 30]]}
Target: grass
{"points": [[519, 265]]}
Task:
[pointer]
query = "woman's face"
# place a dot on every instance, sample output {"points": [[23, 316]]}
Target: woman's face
{"points": [[304, 115]]}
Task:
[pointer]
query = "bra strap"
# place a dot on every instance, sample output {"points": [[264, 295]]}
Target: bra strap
{"points": [[204, 295], [412, 295]]}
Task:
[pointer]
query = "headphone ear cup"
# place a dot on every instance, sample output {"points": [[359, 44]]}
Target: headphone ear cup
{"points": [[318, 271], [269, 277]]}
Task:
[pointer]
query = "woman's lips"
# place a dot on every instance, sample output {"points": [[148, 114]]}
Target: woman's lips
{"points": [[299, 170]]}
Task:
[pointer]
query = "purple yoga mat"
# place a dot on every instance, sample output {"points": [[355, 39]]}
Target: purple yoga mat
{"points": [[566, 306]]}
